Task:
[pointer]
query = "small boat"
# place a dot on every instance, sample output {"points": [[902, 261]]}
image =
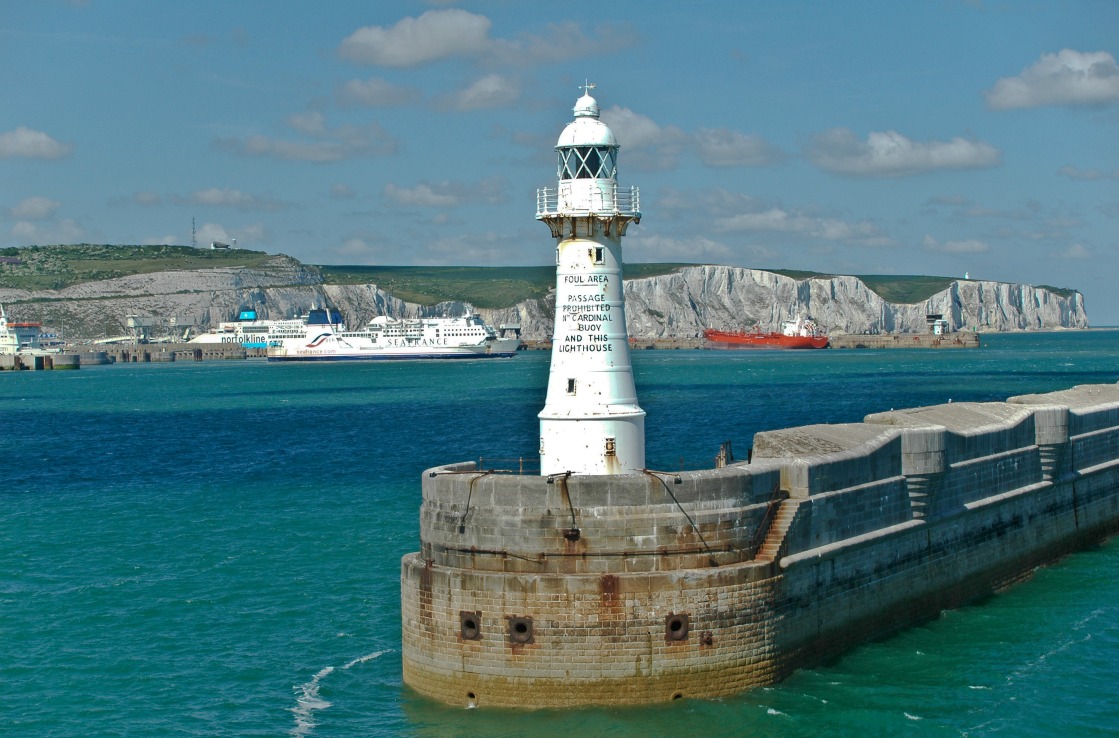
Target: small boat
{"points": [[391, 338], [802, 333]]}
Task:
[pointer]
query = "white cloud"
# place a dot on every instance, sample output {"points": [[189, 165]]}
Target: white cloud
{"points": [[66, 231], [697, 249], [561, 42], [890, 154], [356, 250], [145, 198], [375, 93], [342, 191], [422, 194], [491, 91], [475, 248], [162, 241], [447, 194], [1075, 251], [450, 33], [35, 208], [309, 124], [437, 34], [646, 146], [721, 147], [1086, 174], [950, 200], [323, 144], [1066, 78], [971, 246], [778, 220], [209, 232], [217, 197], [30, 144]]}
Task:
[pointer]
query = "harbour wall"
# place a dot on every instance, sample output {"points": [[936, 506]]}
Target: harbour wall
{"points": [[963, 339], [39, 362], [545, 592]]}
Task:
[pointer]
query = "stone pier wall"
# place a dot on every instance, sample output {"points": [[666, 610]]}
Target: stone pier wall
{"points": [[538, 592]]}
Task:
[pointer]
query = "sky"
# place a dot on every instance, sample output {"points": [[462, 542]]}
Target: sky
{"points": [[936, 137]]}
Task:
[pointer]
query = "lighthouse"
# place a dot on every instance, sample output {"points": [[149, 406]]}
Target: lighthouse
{"points": [[591, 422]]}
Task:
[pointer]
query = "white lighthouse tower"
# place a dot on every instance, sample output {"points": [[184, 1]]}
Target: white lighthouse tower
{"points": [[591, 422]]}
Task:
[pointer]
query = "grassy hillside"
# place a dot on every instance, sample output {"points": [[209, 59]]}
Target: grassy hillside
{"points": [[904, 288], [484, 287], [56, 267]]}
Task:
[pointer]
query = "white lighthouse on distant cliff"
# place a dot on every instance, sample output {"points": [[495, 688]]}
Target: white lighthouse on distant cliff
{"points": [[591, 422]]}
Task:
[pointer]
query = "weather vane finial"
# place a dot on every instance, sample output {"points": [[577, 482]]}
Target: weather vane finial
{"points": [[586, 87]]}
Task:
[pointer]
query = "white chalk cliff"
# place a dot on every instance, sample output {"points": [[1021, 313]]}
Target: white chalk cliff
{"points": [[684, 303], [677, 305]]}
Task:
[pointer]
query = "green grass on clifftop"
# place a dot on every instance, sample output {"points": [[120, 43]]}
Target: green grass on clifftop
{"points": [[904, 288], [484, 287], [896, 288], [57, 267]]}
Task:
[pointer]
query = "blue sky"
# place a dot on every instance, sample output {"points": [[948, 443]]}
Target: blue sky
{"points": [[941, 137]]}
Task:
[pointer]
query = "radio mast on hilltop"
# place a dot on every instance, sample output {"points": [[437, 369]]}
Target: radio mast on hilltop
{"points": [[591, 422]]}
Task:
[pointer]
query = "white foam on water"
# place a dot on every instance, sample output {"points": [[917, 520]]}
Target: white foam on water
{"points": [[309, 702], [367, 657], [912, 717]]}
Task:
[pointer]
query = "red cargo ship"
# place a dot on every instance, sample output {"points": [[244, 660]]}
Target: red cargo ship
{"points": [[795, 334]]}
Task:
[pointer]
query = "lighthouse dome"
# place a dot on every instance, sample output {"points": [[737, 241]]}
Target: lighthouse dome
{"points": [[586, 129], [587, 132]]}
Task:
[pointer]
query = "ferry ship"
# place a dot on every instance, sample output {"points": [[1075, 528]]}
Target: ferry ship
{"points": [[386, 338], [802, 333], [251, 332], [25, 338]]}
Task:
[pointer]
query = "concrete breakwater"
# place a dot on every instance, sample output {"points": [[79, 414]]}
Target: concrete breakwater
{"points": [[552, 591]]}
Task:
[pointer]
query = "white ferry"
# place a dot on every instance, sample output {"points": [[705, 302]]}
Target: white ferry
{"points": [[24, 338], [251, 332], [391, 338]]}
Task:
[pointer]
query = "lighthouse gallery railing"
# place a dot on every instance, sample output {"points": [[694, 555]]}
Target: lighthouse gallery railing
{"points": [[615, 201]]}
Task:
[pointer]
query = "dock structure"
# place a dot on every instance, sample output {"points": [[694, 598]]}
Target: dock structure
{"points": [[39, 361], [963, 339], [144, 353]]}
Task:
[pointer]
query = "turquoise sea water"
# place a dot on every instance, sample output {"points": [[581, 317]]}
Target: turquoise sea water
{"points": [[213, 549]]}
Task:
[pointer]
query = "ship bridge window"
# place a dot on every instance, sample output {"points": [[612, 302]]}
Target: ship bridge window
{"points": [[588, 162]]}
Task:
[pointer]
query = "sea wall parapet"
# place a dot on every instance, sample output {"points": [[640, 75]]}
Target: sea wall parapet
{"points": [[574, 524]]}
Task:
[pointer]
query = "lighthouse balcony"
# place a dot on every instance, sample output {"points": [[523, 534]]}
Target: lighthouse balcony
{"points": [[607, 200]]}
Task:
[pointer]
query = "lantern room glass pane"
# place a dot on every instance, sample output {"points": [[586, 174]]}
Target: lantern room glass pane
{"points": [[587, 162], [565, 168], [591, 163], [609, 163]]}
